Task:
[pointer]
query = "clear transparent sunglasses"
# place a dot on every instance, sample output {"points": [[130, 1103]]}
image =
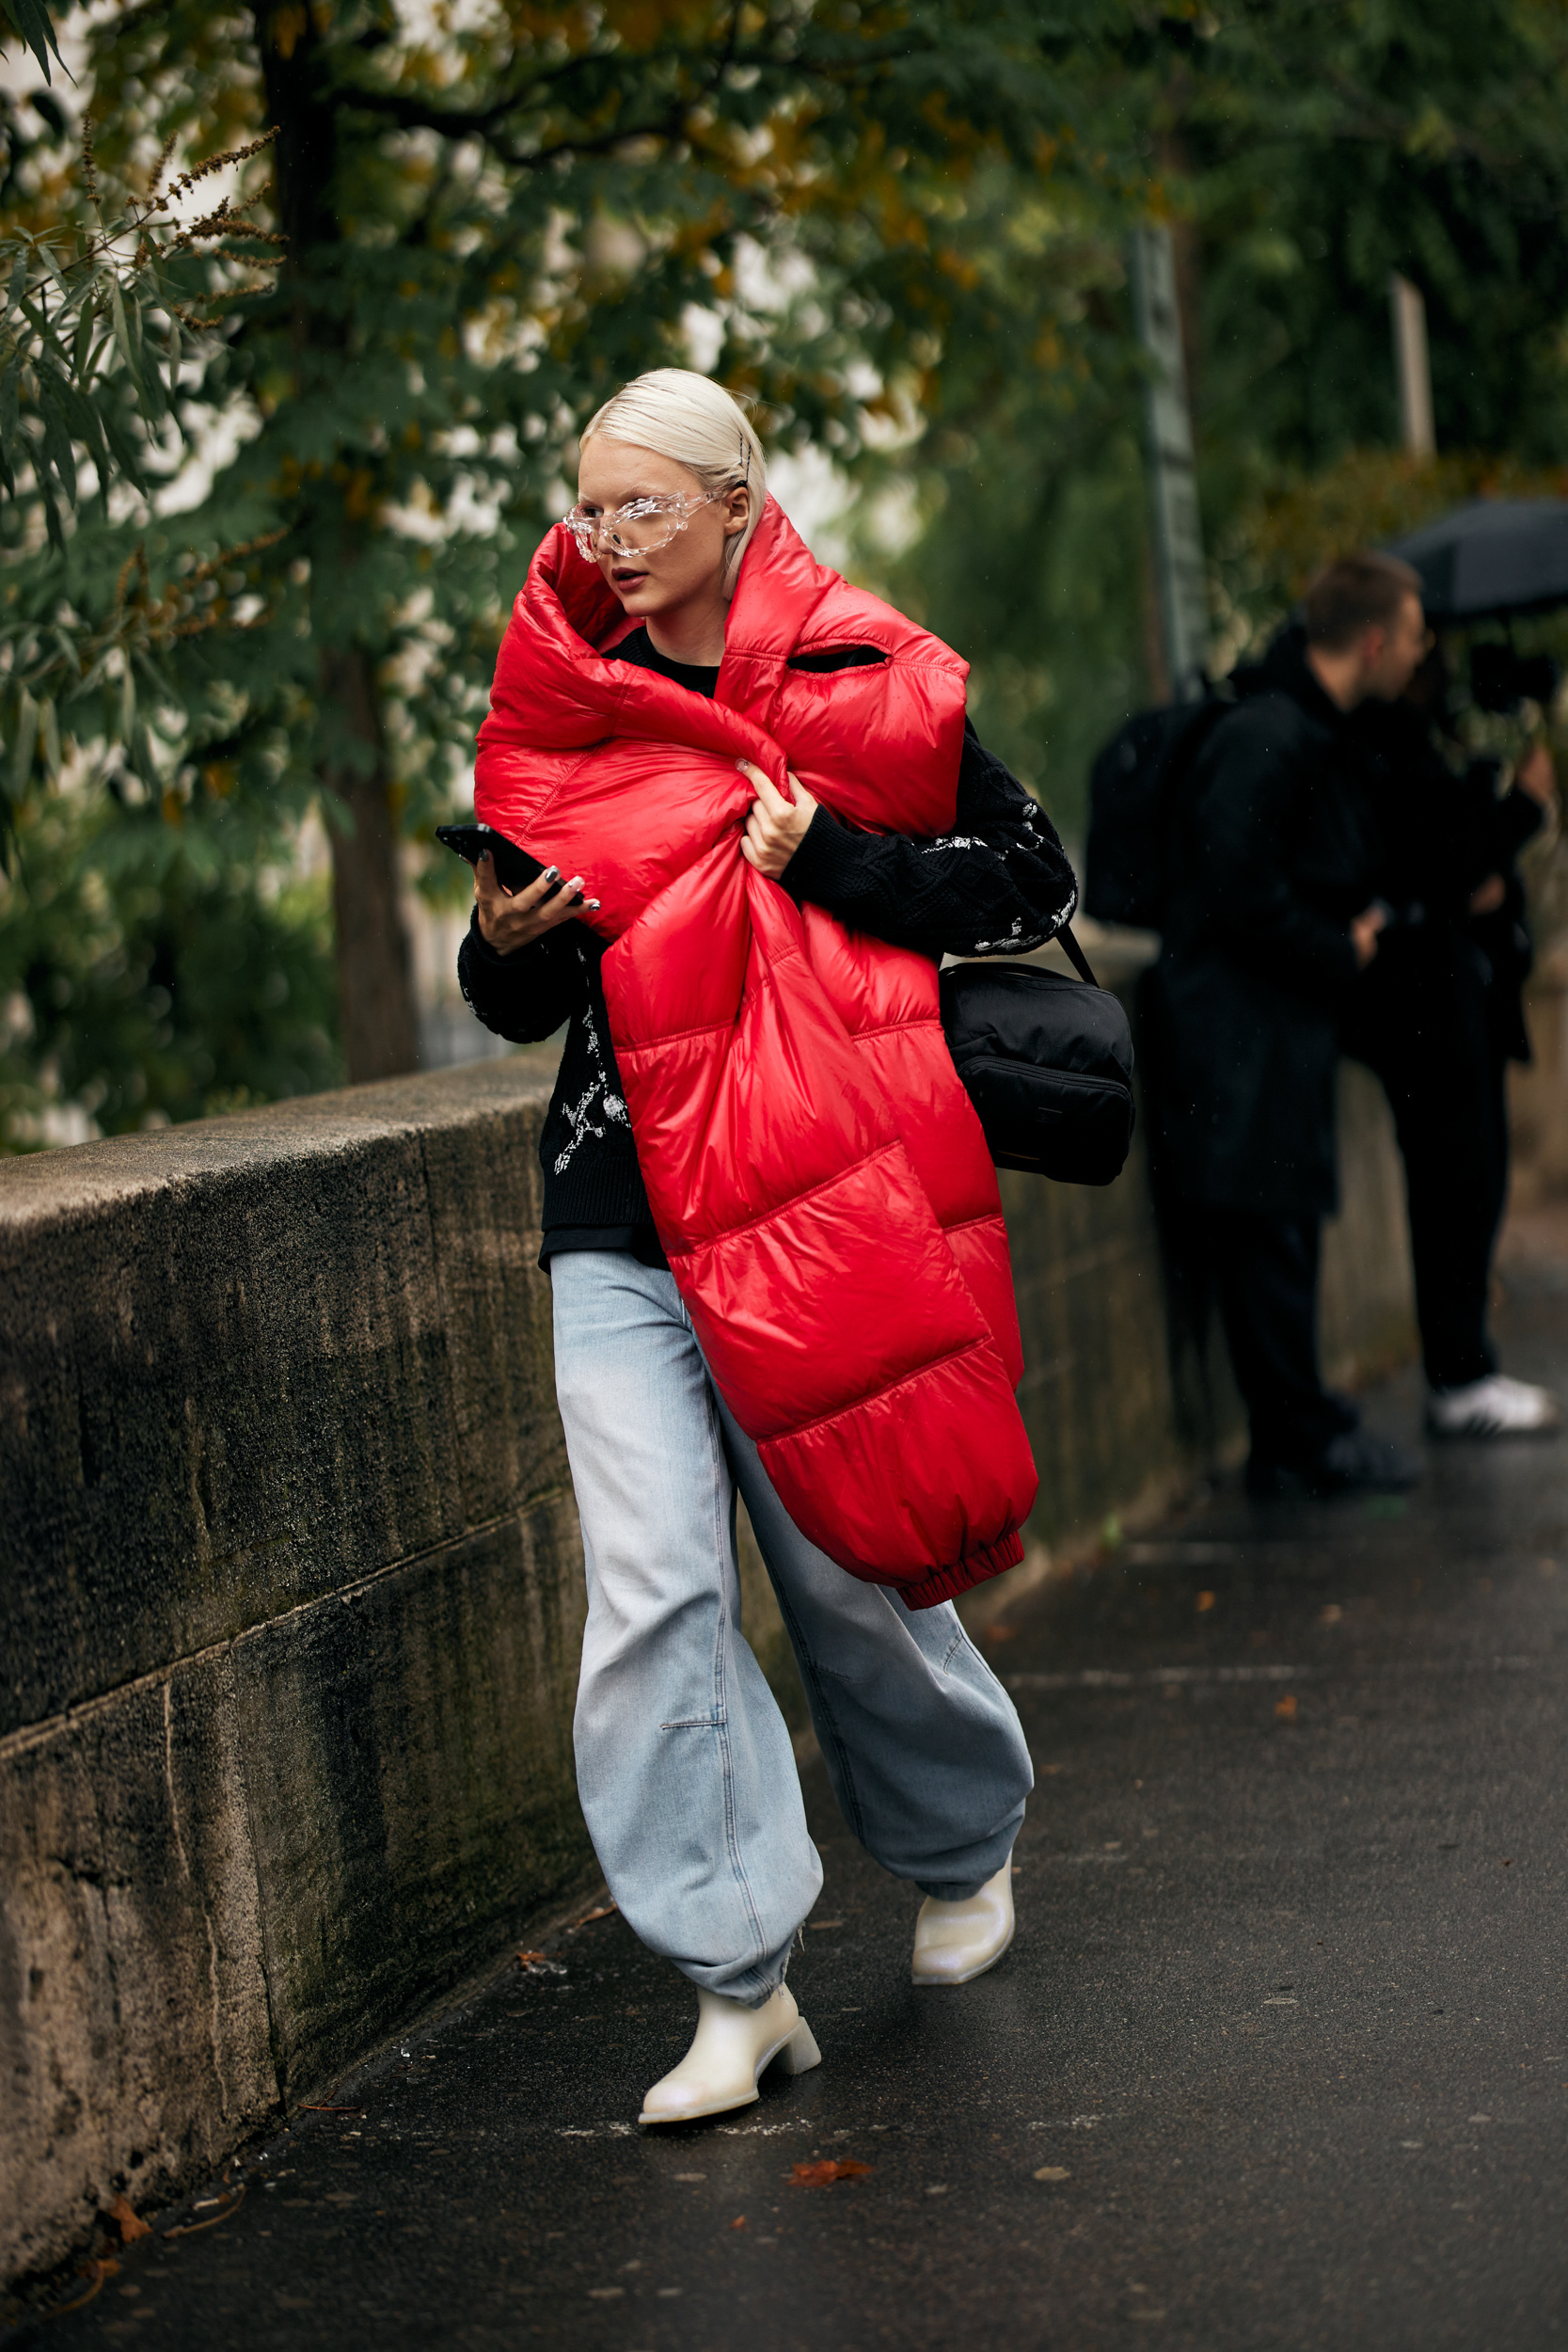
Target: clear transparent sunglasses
{"points": [[642, 526]]}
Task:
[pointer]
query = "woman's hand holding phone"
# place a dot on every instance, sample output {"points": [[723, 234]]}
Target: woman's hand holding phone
{"points": [[509, 920]]}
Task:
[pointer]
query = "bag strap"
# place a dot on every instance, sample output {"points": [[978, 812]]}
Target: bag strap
{"points": [[1075, 955]]}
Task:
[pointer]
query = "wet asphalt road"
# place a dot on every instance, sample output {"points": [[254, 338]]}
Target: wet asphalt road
{"points": [[1279, 2056]]}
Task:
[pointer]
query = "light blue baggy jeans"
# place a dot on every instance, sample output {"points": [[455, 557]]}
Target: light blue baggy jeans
{"points": [[685, 1766]]}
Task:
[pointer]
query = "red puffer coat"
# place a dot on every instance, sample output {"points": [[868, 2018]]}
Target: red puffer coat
{"points": [[817, 1175]]}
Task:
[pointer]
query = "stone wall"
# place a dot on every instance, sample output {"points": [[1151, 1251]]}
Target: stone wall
{"points": [[292, 1584], [291, 1602]]}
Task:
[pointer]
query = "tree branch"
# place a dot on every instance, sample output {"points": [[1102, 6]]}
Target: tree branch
{"points": [[708, 67]]}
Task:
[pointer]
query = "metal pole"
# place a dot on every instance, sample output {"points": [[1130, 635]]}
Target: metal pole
{"points": [[1172, 481], [1413, 366]]}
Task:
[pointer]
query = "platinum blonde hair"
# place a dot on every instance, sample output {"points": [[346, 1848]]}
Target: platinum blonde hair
{"points": [[679, 414]]}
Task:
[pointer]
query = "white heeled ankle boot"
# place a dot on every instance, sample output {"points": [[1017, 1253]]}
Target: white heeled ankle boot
{"points": [[954, 1942], [733, 2047]]}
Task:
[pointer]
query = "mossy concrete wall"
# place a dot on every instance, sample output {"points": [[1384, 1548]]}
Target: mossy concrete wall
{"points": [[291, 1584], [291, 1602]]}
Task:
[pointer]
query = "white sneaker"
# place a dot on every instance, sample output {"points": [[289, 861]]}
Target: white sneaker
{"points": [[733, 2048], [1493, 1407], [954, 1942]]}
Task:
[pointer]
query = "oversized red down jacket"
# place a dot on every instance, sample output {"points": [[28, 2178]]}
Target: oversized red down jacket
{"points": [[817, 1175]]}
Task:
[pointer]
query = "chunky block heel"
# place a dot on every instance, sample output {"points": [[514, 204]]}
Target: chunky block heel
{"points": [[799, 2053], [733, 2049]]}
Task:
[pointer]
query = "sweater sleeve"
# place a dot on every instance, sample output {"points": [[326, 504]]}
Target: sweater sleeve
{"points": [[999, 883], [526, 996]]}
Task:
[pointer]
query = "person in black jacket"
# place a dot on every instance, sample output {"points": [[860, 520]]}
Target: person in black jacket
{"points": [[1269, 918], [1505, 824], [1437, 1016]]}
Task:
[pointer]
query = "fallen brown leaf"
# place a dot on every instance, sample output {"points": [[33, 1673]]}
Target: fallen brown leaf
{"points": [[1053, 2172], [190, 2227], [739, 2221], [605, 1911], [526, 1959], [826, 2169], [1286, 1710], [129, 2224], [1205, 1602], [308, 2108], [94, 2271]]}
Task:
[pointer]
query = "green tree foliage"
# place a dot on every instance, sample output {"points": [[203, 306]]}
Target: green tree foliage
{"points": [[1324, 146], [1303, 149], [1374, 496], [900, 222], [491, 217], [121, 1000], [1025, 482], [147, 976], [100, 346], [29, 20]]}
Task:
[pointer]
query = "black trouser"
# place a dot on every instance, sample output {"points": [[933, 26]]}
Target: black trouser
{"points": [[1419, 1022], [1264, 1271], [1498, 1107]]}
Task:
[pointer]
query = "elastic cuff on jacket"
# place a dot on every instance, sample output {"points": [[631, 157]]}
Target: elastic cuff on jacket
{"points": [[948, 1583]]}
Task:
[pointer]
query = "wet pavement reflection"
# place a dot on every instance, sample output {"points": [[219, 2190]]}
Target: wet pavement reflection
{"points": [[1279, 2055]]}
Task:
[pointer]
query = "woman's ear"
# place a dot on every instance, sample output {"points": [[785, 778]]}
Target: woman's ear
{"points": [[737, 510]]}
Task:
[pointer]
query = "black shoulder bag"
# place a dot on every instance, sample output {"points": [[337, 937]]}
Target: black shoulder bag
{"points": [[1047, 1062]]}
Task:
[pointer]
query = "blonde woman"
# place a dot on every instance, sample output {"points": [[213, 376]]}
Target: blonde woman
{"points": [[763, 816]]}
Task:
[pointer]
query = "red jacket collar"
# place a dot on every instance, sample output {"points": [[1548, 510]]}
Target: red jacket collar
{"points": [[555, 691]]}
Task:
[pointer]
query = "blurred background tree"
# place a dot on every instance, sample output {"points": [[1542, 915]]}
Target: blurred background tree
{"points": [[903, 226], [1326, 145], [486, 218], [1302, 149]]}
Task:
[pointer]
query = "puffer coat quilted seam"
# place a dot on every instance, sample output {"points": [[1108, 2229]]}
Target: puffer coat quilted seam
{"points": [[816, 1172]]}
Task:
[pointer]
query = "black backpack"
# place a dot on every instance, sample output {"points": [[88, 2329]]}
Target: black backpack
{"points": [[1133, 788], [1047, 1062]]}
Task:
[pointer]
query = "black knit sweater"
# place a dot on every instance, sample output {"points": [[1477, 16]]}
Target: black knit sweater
{"points": [[999, 883]]}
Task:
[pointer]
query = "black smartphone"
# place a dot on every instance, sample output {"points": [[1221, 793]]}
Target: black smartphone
{"points": [[514, 867]]}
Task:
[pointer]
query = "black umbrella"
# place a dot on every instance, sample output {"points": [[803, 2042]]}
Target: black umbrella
{"points": [[1493, 557]]}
